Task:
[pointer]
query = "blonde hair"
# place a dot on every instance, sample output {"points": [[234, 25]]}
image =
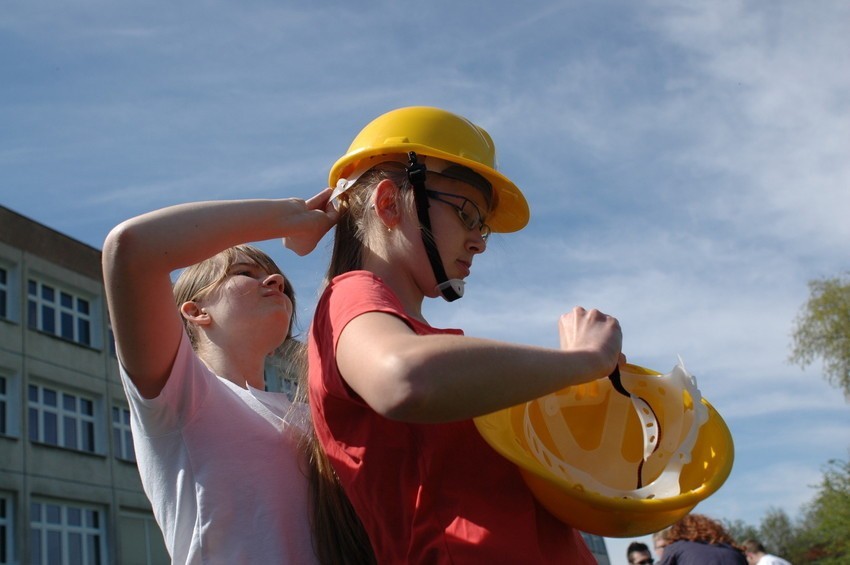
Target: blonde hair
{"points": [[199, 280], [356, 226]]}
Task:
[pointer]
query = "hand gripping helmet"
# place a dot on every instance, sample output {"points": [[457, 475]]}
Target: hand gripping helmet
{"points": [[618, 457], [431, 139]]}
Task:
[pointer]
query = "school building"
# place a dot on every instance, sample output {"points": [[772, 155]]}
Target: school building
{"points": [[69, 486]]}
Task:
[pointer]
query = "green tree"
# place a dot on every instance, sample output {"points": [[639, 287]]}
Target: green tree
{"points": [[777, 533], [827, 521], [740, 530], [822, 330]]}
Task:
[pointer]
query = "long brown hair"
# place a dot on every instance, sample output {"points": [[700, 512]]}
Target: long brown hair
{"points": [[338, 534], [356, 226]]}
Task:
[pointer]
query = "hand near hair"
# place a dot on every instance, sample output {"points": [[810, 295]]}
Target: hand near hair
{"points": [[314, 221]]}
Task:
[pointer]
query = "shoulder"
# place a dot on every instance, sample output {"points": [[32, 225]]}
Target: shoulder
{"points": [[355, 293]]}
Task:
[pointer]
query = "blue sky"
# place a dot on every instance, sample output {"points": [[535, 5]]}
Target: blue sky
{"points": [[685, 163]]}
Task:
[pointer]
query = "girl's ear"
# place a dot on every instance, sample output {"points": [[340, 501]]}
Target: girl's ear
{"points": [[387, 203], [192, 312]]}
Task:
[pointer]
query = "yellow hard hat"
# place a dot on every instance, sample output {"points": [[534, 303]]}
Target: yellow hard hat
{"points": [[432, 132], [615, 465]]}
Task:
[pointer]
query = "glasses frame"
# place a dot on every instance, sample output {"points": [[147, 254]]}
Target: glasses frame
{"points": [[466, 219]]}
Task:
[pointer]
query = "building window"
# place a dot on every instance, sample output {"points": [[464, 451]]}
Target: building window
{"points": [[58, 312], [4, 408], [122, 436], [112, 348], [4, 293], [61, 418], [6, 529], [64, 533], [141, 541]]}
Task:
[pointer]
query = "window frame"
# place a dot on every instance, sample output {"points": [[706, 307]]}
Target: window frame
{"points": [[7, 528], [154, 542], [5, 406], [123, 446], [59, 413], [41, 521], [82, 323], [5, 292]]}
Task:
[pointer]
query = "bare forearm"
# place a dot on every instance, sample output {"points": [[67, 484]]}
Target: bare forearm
{"points": [[181, 235], [453, 377]]}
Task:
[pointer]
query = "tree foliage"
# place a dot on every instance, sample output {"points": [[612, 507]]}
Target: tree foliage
{"points": [[821, 536], [828, 516], [822, 330], [740, 530]]}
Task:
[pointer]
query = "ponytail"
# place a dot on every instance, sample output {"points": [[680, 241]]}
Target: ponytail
{"points": [[338, 535]]}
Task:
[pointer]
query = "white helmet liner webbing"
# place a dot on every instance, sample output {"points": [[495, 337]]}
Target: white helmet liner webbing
{"points": [[603, 468]]}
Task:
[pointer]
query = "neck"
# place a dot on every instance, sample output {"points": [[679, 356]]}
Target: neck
{"points": [[242, 369], [402, 284]]}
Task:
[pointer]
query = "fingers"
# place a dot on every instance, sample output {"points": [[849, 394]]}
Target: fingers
{"points": [[320, 200], [594, 332]]}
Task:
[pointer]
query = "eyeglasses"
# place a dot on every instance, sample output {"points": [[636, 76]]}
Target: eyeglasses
{"points": [[648, 561], [468, 212]]}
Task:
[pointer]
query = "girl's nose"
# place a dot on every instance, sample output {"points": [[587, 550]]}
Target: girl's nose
{"points": [[476, 242], [275, 279]]}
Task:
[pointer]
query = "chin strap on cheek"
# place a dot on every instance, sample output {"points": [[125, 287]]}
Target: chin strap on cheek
{"points": [[450, 289]]}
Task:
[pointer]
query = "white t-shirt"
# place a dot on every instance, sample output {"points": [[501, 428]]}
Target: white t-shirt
{"points": [[222, 468], [768, 559]]}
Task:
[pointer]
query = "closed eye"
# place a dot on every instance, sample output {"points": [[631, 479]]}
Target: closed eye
{"points": [[246, 270]]}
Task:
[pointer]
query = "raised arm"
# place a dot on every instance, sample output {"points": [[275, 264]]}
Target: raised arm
{"points": [[440, 378], [140, 254]]}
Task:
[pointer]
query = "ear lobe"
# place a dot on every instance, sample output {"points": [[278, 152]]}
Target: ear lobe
{"points": [[387, 203], [192, 312]]}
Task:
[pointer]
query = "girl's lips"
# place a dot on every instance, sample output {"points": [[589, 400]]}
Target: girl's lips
{"points": [[464, 268]]}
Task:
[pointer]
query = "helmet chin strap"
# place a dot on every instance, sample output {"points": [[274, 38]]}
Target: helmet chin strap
{"points": [[450, 289]]}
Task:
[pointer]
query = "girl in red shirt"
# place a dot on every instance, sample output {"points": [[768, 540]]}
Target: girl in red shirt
{"points": [[393, 397]]}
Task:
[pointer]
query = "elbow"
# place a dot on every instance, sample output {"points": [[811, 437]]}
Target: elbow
{"points": [[122, 248], [406, 395]]}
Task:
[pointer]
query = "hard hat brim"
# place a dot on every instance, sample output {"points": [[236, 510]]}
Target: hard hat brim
{"points": [[511, 212]]}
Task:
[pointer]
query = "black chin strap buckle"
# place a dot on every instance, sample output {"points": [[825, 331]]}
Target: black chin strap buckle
{"points": [[415, 171]]}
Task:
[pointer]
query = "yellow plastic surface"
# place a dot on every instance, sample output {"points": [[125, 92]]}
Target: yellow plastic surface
{"points": [[437, 133], [710, 464]]}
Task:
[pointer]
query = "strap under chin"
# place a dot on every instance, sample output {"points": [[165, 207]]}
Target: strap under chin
{"points": [[416, 174]]}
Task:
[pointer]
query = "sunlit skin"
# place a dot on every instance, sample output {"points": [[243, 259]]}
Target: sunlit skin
{"points": [[439, 378], [140, 254], [456, 244], [249, 302]]}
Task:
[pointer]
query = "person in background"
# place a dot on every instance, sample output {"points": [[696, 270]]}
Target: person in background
{"points": [[392, 396], [758, 555], [638, 554], [224, 462], [697, 539]]}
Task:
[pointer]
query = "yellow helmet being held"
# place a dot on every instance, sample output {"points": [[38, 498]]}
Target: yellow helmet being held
{"points": [[619, 457], [442, 135]]}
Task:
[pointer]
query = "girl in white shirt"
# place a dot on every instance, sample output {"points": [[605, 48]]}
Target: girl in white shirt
{"points": [[223, 462]]}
